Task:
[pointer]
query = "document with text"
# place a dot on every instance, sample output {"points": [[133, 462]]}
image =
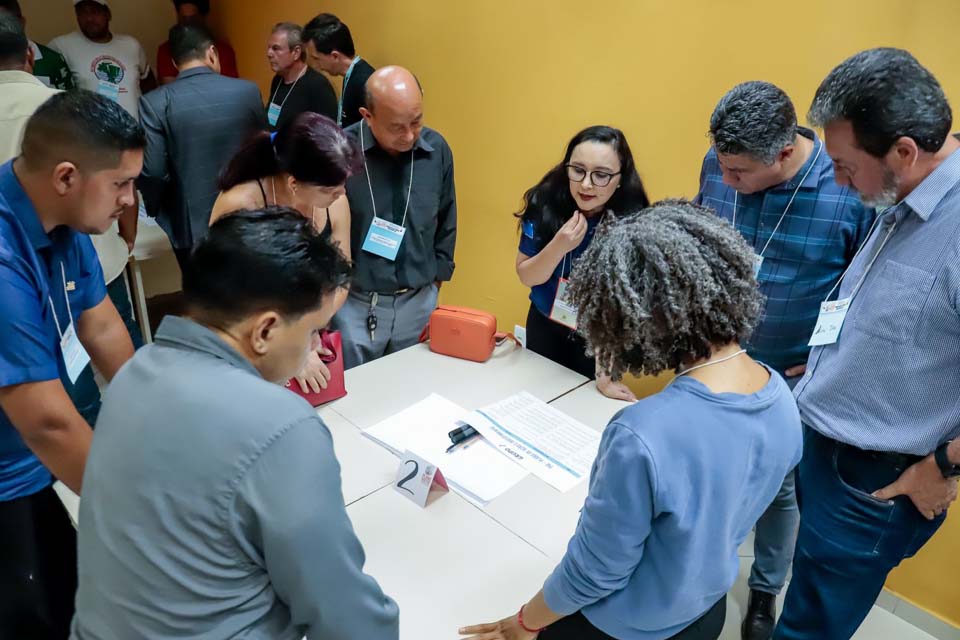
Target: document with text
{"points": [[541, 439]]}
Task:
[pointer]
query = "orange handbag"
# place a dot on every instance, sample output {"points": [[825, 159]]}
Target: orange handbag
{"points": [[464, 333]]}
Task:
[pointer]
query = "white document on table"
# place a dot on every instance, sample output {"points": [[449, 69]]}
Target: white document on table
{"points": [[543, 440], [475, 469]]}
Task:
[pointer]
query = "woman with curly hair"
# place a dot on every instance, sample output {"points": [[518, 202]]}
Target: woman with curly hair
{"points": [[596, 180], [681, 476]]}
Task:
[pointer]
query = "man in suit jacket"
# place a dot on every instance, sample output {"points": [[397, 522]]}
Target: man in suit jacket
{"points": [[194, 126]]}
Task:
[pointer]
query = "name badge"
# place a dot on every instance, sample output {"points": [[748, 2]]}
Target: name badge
{"points": [[563, 312], [109, 90], [418, 480], [829, 322], [75, 357], [384, 239], [757, 265], [273, 114]]}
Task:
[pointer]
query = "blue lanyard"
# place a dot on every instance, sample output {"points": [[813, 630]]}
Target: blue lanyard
{"points": [[346, 79]]}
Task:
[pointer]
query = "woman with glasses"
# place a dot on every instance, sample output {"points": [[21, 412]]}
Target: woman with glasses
{"points": [[596, 180], [683, 475]]}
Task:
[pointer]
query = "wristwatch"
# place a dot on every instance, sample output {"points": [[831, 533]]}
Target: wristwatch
{"points": [[948, 469]]}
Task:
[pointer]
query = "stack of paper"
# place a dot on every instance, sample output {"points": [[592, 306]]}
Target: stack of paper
{"points": [[541, 439], [475, 470]]}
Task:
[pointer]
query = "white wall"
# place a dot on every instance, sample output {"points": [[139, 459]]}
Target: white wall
{"points": [[147, 20]]}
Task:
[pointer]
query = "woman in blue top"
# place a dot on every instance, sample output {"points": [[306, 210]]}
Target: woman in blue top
{"points": [[597, 179], [680, 476]]}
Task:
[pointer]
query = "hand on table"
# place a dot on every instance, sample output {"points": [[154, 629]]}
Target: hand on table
{"points": [[315, 375], [506, 629], [614, 390], [923, 483]]}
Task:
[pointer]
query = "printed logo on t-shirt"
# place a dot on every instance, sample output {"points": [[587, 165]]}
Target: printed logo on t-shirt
{"points": [[108, 69]]}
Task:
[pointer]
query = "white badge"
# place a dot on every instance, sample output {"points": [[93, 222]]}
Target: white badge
{"points": [[75, 357], [384, 239], [418, 479], [563, 312], [829, 322], [273, 114], [109, 90], [757, 265]]}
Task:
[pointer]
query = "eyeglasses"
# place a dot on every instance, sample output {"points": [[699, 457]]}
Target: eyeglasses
{"points": [[597, 178]]}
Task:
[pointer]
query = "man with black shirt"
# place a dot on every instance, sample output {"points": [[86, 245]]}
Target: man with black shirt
{"points": [[330, 49], [296, 88]]}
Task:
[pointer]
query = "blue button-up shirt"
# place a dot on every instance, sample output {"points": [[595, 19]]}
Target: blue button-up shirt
{"points": [[30, 281], [817, 239], [890, 381]]}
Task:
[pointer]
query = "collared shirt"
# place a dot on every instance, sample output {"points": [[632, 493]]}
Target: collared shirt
{"points": [[21, 94], [30, 281], [353, 92], [890, 381], [426, 253], [212, 507], [817, 239], [51, 69]]}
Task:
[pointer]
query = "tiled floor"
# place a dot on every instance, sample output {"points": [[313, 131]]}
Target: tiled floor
{"points": [[881, 624]]}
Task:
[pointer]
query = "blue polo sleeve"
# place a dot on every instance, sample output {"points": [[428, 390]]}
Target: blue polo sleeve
{"points": [[90, 282], [27, 351], [528, 239]]}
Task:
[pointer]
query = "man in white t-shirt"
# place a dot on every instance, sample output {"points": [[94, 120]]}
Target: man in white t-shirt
{"points": [[113, 65]]}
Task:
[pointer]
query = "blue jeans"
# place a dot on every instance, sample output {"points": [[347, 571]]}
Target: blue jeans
{"points": [[775, 534], [849, 541], [85, 393]]}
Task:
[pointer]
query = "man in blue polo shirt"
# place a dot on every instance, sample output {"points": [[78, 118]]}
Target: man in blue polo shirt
{"points": [[774, 181], [81, 154]]}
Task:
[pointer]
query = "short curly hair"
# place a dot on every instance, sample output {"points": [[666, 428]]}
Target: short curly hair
{"points": [[664, 286]]}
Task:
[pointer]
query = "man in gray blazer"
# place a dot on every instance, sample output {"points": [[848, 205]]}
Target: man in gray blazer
{"points": [[194, 126]]}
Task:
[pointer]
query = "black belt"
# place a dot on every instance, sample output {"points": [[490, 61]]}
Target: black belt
{"points": [[367, 294], [900, 461]]}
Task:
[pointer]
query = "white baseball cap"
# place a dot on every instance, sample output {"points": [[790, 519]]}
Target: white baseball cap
{"points": [[103, 2]]}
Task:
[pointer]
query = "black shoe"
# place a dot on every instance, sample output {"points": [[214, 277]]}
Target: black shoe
{"points": [[759, 621]]}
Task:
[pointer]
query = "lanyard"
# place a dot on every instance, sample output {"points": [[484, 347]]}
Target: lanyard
{"points": [[373, 202], [280, 84], [63, 275], [346, 79], [866, 272], [784, 214]]}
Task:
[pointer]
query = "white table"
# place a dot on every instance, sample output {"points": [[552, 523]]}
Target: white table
{"points": [[448, 565], [365, 466], [386, 386], [151, 242], [535, 511]]}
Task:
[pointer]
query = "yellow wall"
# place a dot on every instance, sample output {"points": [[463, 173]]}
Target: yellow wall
{"points": [[509, 82]]}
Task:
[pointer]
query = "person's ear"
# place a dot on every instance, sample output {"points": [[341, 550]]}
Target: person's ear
{"points": [[292, 184], [786, 153], [66, 178], [903, 155], [263, 331], [28, 66]]}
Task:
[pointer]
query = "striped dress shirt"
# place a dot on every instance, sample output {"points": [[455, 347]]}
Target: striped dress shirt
{"points": [[890, 382]]}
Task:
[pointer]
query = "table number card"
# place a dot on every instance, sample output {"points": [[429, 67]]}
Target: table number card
{"points": [[418, 480]]}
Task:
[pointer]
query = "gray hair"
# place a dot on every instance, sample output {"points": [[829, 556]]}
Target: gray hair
{"points": [[294, 36], [664, 286], [755, 118], [886, 94]]}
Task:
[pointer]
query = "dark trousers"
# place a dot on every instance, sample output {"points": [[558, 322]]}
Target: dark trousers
{"points": [[38, 568], [182, 255], [849, 541], [84, 392], [577, 627], [556, 342]]}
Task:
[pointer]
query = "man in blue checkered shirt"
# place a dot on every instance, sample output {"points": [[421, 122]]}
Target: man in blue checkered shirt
{"points": [[774, 181]]}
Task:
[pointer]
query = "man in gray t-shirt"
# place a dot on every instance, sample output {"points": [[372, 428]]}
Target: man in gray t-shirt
{"points": [[211, 503]]}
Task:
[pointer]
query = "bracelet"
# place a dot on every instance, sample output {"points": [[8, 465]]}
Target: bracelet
{"points": [[523, 626]]}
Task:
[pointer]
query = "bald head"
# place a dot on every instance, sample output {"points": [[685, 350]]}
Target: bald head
{"points": [[394, 109]]}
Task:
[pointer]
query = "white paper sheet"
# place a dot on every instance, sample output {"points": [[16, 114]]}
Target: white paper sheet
{"points": [[476, 470], [543, 440]]}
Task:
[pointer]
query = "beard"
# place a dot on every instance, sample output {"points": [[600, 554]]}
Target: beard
{"points": [[887, 196]]}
